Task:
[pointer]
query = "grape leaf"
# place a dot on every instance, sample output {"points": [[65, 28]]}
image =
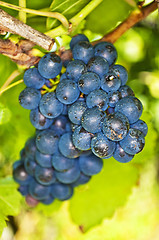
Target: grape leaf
{"points": [[103, 194], [107, 15], [68, 8], [9, 200]]}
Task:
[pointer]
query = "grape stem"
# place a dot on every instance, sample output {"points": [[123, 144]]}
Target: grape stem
{"points": [[22, 15], [10, 86]]}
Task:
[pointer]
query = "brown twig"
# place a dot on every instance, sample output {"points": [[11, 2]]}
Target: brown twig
{"points": [[20, 53], [135, 17], [13, 25]]}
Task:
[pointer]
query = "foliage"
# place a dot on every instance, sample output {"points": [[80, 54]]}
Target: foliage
{"points": [[99, 206]]}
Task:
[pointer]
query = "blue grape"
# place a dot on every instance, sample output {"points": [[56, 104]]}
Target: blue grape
{"points": [[121, 156], [75, 69], [134, 142], [38, 191], [114, 97], [69, 176], [45, 176], [23, 189], [92, 120], [107, 51], [83, 51], [39, 121], [97, 98], [88, 82], [61, 163], [110, 110], [81, 180], [66, 146], [140, 125], [101, 146], [50, 65], [121, 72], [29, 98], [48, 200], [44, 160], [76, 111], [110, 82], [33, 79], [30, 165], [50, 106], [19, 173], [126, 91], [61, 125], [30, 147], [47, 141], [131, 107], [67, 92], [76, 39], [81, 139], [90, 165], [116, 126], [98, 65], [61, 191]]}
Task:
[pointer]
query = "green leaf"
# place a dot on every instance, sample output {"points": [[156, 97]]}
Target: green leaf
{"points": [[103, 194], [68, 8], [9, 200], [107, 15]]}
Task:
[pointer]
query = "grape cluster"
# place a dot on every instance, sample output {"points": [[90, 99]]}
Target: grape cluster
{"points": [[81, 116]]}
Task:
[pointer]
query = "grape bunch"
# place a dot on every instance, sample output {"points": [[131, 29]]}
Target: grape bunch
{"points": [[81, 116]]}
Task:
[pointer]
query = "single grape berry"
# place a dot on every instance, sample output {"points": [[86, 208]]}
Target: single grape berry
{"points": [[121, 72], [90, 165], [107, 51], [47, 141], [140, 125], [110, 82], [81, 138], [113, 98], [29, 98], [131, 107], [39, 121], [88, 82], [67, 147], [33, 79], [121, 156], [92, 120], [126, 91], [83, 51], [61, 191], [115, 126], [78, 38], [75, 69], [76, 111], [67, 92], [134, 141], [98, 65], [45, 176], [50, 106], [50, 65], [101, 146], [97, 98], [61, 163]]}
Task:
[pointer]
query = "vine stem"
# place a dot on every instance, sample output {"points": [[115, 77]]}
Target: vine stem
{"points": [[13, 75], [22, 15], [10, 86], [56, 15]]}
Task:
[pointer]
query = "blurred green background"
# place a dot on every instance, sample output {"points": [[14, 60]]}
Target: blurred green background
{"points": [[121, 202]]}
